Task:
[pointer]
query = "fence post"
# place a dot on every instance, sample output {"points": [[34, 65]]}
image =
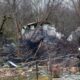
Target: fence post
{"points": [[37, 76]]}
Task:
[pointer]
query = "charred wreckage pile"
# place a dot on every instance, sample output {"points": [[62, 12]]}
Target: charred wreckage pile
{"points": [[41, 42]]}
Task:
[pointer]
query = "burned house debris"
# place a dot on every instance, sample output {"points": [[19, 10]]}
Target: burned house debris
{"points": [[54, 43], [75, 36], [41, 41]]}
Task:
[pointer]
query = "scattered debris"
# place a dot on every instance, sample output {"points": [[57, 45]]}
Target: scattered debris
{"points": [[53, 43], [12, 64]]}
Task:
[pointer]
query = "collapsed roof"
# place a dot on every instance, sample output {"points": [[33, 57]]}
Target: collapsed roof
{"points": [[52, 43]]}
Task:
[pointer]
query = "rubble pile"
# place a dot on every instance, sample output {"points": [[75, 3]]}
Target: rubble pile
{"points": [[40, 43]]}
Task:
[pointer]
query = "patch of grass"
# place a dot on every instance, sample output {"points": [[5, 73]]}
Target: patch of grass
{"points": [[14, 78], [32, 76], [43, 78], [23, 78]]}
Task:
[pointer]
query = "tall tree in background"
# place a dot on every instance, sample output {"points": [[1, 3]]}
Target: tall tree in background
{"points": [[54, 11]]}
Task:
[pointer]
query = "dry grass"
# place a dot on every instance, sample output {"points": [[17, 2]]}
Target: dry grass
{"points": [[22, 78], [43, 78], [14, 78]]}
